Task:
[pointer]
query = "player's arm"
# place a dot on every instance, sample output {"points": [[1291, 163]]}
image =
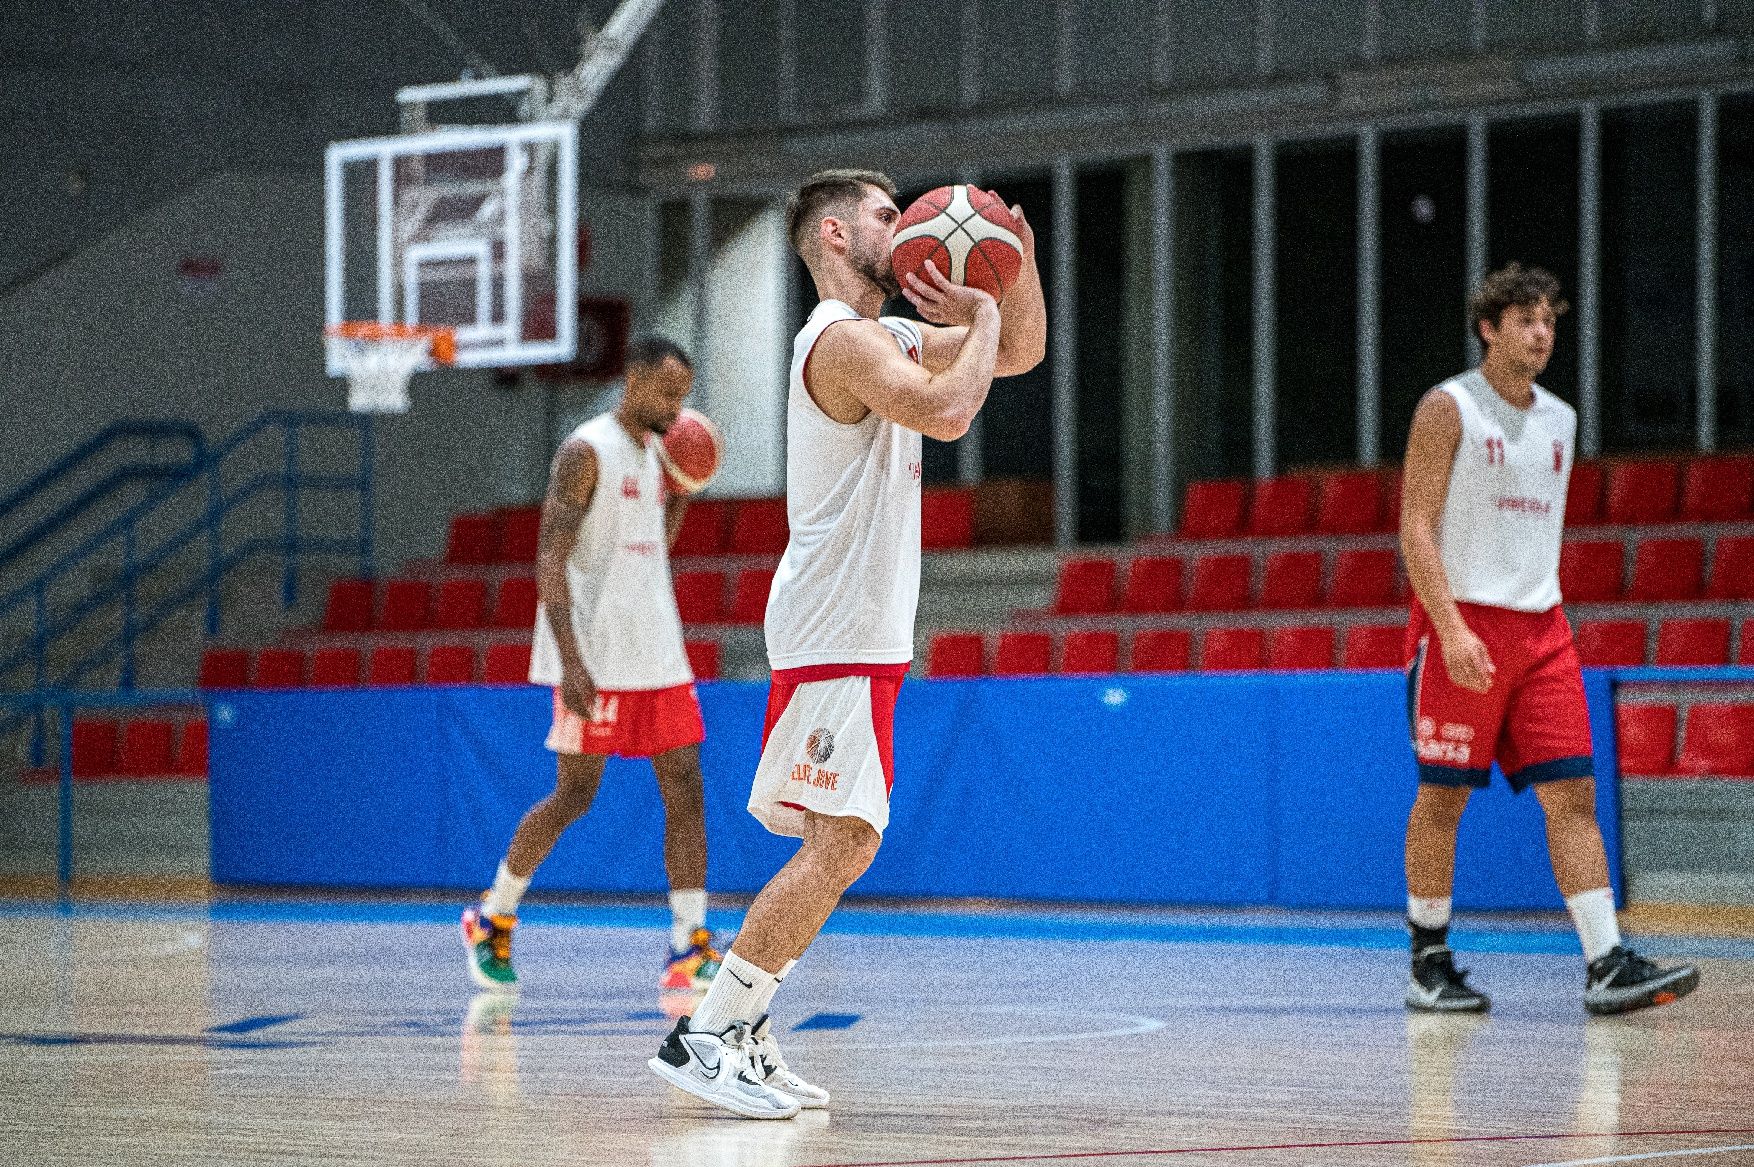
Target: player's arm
{"points": [[1431, 453], [675, 506], [856, 367], [1023, 320], [571, 480]]}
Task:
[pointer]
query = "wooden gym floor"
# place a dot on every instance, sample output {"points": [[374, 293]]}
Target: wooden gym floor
{"points": [[271, 1031]]}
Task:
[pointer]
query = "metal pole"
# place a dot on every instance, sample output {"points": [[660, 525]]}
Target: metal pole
{"points": [[368, 441], [969, 54], [1063, 343], [1065, 49], [64, 808], [289, 545], [1163, 387], [1369, 296], [700, 257], [1705, 274], [129, 615], [1265, 309], [40, 655], [214, 518], [706, 61], [786, 58], [1589, 281], [1476, 220], [876, 57]]}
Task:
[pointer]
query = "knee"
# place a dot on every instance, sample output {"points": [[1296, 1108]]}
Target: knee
{"points": [[1570, 804], [847, 855], [570, 800], [1440, 806]]}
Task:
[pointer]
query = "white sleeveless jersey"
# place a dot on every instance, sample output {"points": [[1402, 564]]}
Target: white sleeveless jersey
{"points": [[624, 610], [1505, 512], [848, 586]]}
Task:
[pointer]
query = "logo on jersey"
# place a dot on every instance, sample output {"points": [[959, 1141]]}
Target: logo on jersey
{"points": [[1494, 451], [820, 746], [915, 469], [630, 486], [1558, 456]]}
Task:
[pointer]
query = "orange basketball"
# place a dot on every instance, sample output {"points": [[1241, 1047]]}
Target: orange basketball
{"points": [[969, 233], [690, 452]]}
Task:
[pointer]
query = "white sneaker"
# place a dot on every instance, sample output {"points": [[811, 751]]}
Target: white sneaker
{"points": [[769, 1067], [714, 1067]]}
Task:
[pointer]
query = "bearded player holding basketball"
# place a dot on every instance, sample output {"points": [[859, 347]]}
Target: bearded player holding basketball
{"points": [[608, 640], [1492, 672], [840, 617]]}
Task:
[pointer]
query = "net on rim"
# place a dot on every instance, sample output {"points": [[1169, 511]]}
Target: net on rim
{"points": [[380, 359]]}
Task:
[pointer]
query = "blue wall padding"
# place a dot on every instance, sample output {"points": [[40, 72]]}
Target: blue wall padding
{"points": [[1287, 789]]}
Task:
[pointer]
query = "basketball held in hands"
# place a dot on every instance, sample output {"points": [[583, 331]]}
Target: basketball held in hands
{"points": [[690, 452], [968, 233]]}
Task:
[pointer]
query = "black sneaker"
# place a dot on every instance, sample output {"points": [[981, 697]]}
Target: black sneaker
{"points": [[1623, 981], [1438, 986]]}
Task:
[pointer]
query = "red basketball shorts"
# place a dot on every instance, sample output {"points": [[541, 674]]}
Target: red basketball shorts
{"points": [[630, 723], [828, 747], [1534, 720]]}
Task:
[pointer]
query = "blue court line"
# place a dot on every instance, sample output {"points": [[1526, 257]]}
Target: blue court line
{"points": [[827, 1021], [252, 1024], [197, 1041]]}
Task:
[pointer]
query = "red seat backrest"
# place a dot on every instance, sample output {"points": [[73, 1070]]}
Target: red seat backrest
{"points": [[1350, 503], [1090, 650], [1693, 642], [759, 527], [1293, 579], [1732, 569], [520, 534], [705, 530], [1022, 654], [192, 750], [1086, 586], [749, 595], [1222, 583], [225, 668], [1214, 510], [96, 742], [1161, 650], [703, 658], [1602, 643], [1717, 489], [473, 539], [515, 606], [1282, 506], [956, 654], [946, 517], [507, 664], [1583, 495], [391, 664], [1644, 737], [1154, 584], [1668, 569], [1301, 648], [279, 668], [147, 748], [451, 664], [335, 668], [700, 596], [1232, 648], [407, 606], [350, 605], [1642, 492], [1374, 646], [1363, 578], [1391, 501], [1591, 572], [462, 603], [1718, 740]]}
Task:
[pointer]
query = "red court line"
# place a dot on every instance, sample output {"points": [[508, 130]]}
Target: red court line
{"points": [[1151, 1152]]}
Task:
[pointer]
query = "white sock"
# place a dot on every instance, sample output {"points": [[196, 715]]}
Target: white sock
{"points": [[687, 912], [1593, 913], [740, 992], [1429, 911], [507, 890], [766, 1002]]}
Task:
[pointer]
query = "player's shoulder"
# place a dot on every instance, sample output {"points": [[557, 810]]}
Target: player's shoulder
{"points": [[1549, 402], [1444, 399], [908, 332]]}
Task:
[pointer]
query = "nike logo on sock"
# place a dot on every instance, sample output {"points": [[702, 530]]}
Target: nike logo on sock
{"points": [[739, 980]]}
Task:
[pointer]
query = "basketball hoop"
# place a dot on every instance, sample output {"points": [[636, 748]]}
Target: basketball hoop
{"points": [[379, 359]]}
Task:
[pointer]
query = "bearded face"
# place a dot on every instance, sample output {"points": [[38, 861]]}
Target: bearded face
{"points": [[870, 257]]}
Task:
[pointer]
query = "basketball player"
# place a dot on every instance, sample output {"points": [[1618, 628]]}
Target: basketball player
{"points": [[609, 641], [1492, 670], [840, 617]]}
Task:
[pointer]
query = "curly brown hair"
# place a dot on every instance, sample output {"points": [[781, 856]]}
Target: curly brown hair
{"points": [[1514, 285], [828, 190]]}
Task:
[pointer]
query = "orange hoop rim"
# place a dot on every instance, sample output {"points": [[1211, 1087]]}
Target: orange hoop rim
{"points": [[441, 341]]}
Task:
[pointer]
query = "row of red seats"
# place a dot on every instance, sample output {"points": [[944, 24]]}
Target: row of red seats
{"points": [[390, 664], [1350, 502], [1220, 583], [702, 598], [415, 605], [139, 748], [1026, 653], [1606, 643], [1662, 570], [1718, 740]]}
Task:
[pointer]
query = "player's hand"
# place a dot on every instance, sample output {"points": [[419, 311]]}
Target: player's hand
{"points": [[1468, 662], [579, 694], [1025, 233], [945, 303]]}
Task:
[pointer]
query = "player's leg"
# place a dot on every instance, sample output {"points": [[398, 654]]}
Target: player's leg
{"points": [[693, 958]]}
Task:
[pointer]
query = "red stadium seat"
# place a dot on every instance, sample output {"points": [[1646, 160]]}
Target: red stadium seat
{"points": [[1591, 573], [1222, 583], [1604, 643], [700, 596], [1301, 648], [462, 603], [507, 664], [1213, 510], [1023, 654], [703, 658], [1667, 569], [749, 595], [1745, 654], [1232, 648], [1282, 506], [759, 527], [1391, 501], [1154, 584], [1374, 646], [946, 518], [147, 749], [520, 534], [1583, 495], [1693, 642], [1732, 569], [1162, 650], [279, 668], [350, 605], [1086, 586], [705, 528], [391, 664], [1090, 651], [473, 539], [1363, 579], [192, 750], [335, 668], [451, 664], [407, 606], [1642, 492], [1645, 738], [1350, 503], [956, 654], [1718, 740], [225, 668], [95, 742], [1293, 579], [1717, 490], [515, 606]]}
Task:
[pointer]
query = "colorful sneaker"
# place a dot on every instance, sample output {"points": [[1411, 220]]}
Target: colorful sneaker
{"points": [[489, 942], [1436, 985], [768, 1066], [714, 1067], [1623, 981], [694, 968]]}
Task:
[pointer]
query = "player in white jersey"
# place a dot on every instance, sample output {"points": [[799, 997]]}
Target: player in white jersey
{"points": [[840, 617], [608, 640], [1492, 673]]}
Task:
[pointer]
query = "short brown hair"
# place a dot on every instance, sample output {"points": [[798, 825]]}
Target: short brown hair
{"points": [[1514, 285], [827, 190]]}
